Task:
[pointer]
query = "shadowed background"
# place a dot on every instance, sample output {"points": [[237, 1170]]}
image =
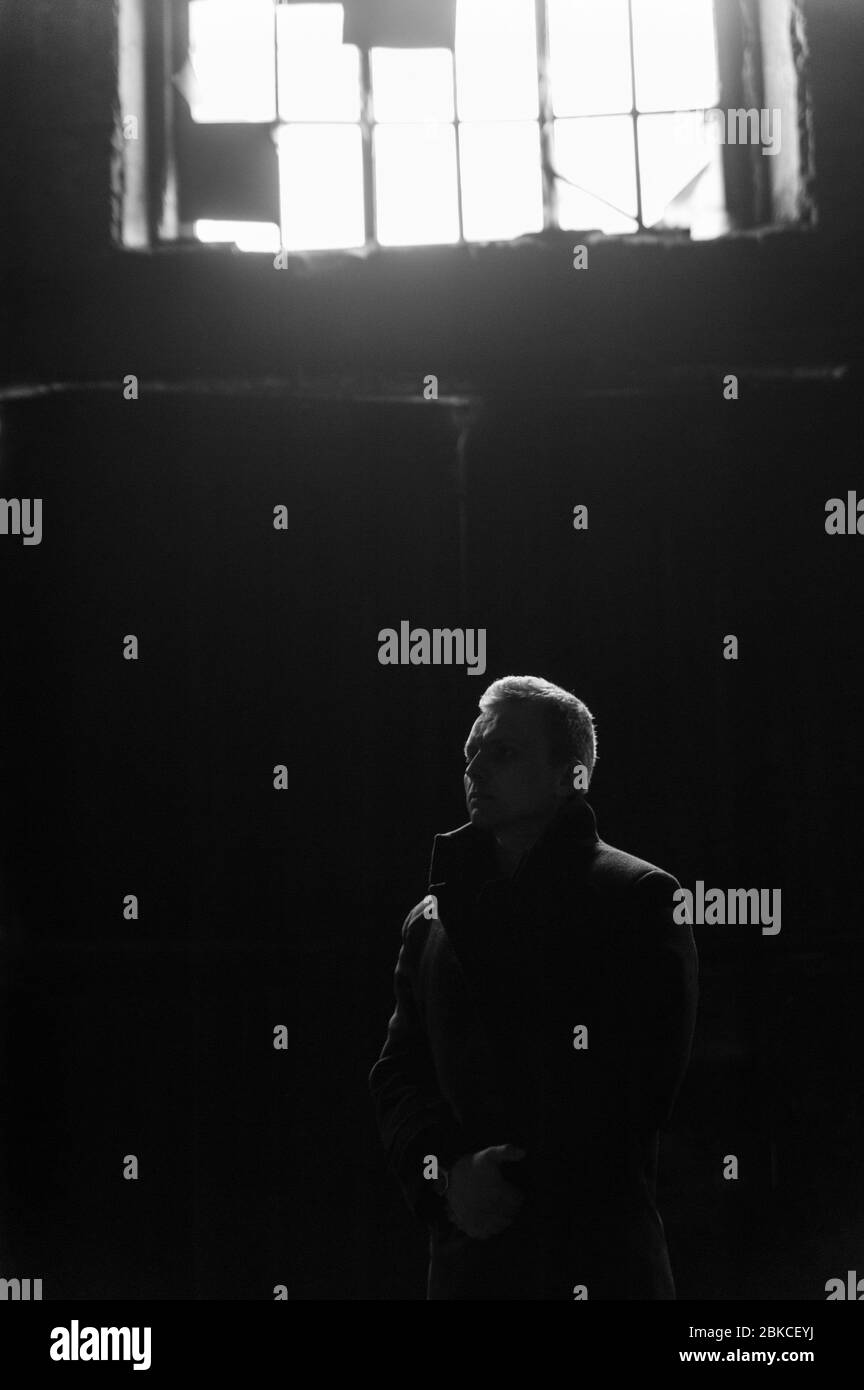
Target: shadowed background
{"points": [[260, 908]]}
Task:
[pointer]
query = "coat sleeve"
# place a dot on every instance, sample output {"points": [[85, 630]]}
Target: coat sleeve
{"points": [[663, 997], [413, 1118]]}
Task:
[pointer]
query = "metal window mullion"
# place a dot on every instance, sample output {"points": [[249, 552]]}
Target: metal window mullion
{"points": [[634, 116], [278, 124], [367, 123], [457, 129], [616, 115], [546, 119], [164, 40]]}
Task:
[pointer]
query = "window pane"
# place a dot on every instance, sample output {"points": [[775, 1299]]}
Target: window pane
{"points": [[248, 236], [319, 76], [415, 184], [412, 84], [682, 174], [589, 51], [496, 59], [502, 195], [597, 153], [231, 74], [676, 54], [321, 186], [314, 23]]}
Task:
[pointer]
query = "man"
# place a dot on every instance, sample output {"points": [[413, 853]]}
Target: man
{"points": [[545, 1005]]}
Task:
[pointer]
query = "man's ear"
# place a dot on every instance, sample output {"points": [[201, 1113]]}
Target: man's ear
{"points": [[564, 784]]}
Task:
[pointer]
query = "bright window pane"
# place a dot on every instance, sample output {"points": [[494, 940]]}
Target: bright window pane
{"points": [[319, 76], [676, 54], [248, 236], [496, 59], [230, 76], [415, 184], [589, 50], [321, 186], [682, 178], [412, 84], [598, 154], [502, 194]]}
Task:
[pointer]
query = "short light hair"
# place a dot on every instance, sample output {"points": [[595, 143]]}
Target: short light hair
{"points": [[570, 729]]}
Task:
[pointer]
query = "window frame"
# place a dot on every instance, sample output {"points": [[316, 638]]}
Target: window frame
{"points": [[188, 159]]}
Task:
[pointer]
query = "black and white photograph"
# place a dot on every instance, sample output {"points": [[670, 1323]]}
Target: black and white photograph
{"points": [[432, 754]]}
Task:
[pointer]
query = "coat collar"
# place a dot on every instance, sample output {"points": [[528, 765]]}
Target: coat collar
{"points": [[468, 852]]}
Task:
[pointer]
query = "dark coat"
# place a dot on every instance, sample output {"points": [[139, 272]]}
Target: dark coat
{"points": [[491, 982]]}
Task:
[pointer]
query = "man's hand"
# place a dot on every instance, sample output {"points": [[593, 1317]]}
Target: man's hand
{"points": [[481, 1202]]}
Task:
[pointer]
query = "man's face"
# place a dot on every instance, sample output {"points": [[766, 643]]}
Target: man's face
{"points": [[508, 776]]}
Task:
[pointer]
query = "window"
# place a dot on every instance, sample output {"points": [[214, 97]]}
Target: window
{"points": [[578, 114], [627, 79]]}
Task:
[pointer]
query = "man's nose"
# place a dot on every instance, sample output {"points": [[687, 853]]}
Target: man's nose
{"points": [[475, 768]]}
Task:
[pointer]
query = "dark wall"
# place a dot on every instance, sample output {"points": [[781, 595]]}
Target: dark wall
{"points": [[260, 907]]}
